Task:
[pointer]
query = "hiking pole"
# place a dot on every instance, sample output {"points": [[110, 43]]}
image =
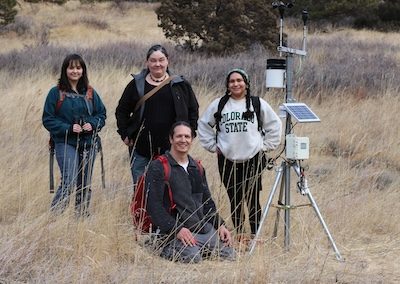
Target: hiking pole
{"points": [[51, 166], [103, 175]]}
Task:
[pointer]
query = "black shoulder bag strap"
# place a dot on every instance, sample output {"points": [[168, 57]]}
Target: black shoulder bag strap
{"points": [[152, 92]]}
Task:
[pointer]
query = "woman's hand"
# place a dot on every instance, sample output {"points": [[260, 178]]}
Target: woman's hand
{"points": [[87, 127], [128, 142], [76, 128]]}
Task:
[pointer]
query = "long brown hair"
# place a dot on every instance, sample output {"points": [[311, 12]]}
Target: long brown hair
{"points": [[63, 82]]}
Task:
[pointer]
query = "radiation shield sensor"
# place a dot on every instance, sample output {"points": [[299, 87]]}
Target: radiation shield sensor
{"points": [[300, 112], [275, 73]]}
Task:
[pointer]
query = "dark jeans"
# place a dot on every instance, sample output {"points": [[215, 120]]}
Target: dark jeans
{"points": [[243, 184], [76, 167], [138, 164]]}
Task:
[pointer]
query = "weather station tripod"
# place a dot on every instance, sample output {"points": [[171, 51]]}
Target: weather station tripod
{"points": [[279, 74]]}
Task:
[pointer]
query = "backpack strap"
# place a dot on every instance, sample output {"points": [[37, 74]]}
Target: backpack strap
{"points": [[167, 172], [200, 167], [88, 99], [255, 100], [61, 97], [89, 93], [222, 102], [60, 101]]}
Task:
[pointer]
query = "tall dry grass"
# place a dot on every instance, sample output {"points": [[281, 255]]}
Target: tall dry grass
{"points": [[353, 169]]}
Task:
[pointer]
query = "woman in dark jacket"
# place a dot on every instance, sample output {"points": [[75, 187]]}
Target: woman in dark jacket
{"points": [[145, 130], [74, 114]]}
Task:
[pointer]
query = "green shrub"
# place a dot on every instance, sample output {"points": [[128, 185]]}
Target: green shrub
{"points": [[7, 11], [59, 2], [389, 13], [383, 17], [218, 26], [94, 22], [361, 13], [22, 25], [366, 21]]}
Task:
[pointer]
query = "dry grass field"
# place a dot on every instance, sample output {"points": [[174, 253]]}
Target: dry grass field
{"points": [[353, 170]]}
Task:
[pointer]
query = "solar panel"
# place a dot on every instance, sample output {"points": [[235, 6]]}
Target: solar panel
{"points": [[301, 112]]}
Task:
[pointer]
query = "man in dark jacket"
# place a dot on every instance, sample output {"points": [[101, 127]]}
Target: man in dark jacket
{"points": [[144, 128], [194, 227]]}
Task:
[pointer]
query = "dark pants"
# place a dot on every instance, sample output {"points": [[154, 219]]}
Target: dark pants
{"points": [[138, 164], [76, 167], [243, 184], [207, 244]]}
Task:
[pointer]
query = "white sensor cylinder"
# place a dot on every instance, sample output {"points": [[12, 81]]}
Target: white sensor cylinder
{"points": [[275, 78]]}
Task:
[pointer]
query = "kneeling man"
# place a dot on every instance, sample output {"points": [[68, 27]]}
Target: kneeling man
{"points": [[193, 229]]}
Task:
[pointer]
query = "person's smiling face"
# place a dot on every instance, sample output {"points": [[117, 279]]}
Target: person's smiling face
{"points": [[237, 86], [157, 64], [74, 72], [181, 141]]}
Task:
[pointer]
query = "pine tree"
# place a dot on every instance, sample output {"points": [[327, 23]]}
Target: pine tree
{"points": [[217, 26], [389, 12], [7, 11]]}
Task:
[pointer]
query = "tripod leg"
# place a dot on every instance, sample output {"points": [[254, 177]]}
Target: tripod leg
{"points": [[316, 209], [314, 205], [266, 208]]}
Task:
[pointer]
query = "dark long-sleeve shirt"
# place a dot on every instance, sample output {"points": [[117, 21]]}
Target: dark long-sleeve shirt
{"points": [[194, 205]]}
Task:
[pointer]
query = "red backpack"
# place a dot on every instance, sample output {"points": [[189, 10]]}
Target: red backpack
{"points": [[140, 216]]}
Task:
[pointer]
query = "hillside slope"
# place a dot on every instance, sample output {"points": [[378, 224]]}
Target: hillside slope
{"points": [[353, 170]]}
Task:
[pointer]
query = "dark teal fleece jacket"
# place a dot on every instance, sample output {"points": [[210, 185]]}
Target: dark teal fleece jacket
{"points": [[75, 108]]}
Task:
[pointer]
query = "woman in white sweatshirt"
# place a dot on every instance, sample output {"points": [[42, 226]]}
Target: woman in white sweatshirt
{"points": [[240, 140]]}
